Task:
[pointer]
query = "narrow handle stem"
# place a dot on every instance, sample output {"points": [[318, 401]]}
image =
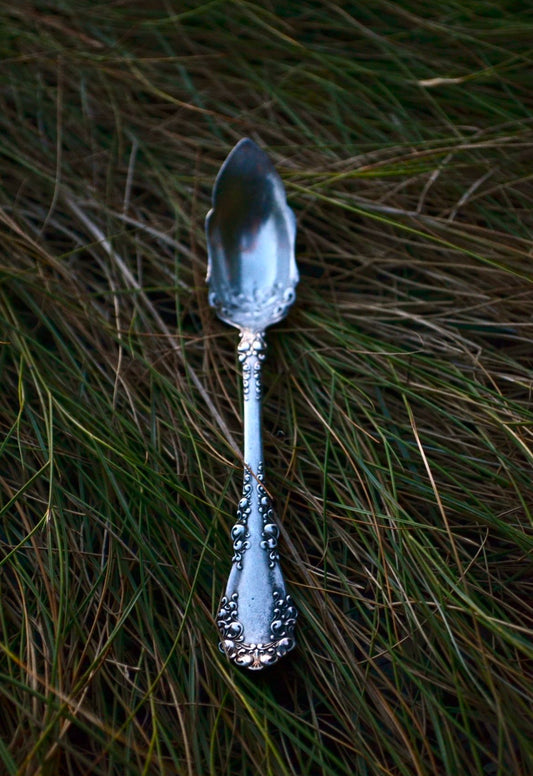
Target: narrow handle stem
{"points": [[252, 350], [257, 617]]}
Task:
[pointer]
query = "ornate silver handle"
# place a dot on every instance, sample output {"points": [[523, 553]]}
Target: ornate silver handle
{"points": [[256, 617]]}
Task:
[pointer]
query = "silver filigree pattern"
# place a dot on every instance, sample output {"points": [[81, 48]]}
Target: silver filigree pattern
{"points": [[285, 616], [257, 656], [270, 532], [240, 533], [251, 309], [227, 620], [251, 352]]}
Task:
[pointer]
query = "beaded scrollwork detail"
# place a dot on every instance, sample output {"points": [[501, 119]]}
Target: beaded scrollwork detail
{"points": [[270, 532], [240, 533], [257, 656], [251, 350]]}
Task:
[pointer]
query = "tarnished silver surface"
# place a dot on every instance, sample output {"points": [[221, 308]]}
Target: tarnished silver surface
{"points": [[252, 275]]}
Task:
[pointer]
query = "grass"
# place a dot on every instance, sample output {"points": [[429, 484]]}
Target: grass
{"points": [[397, 412]]}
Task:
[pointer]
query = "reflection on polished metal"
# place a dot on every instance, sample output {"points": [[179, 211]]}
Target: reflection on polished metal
{"points": [[252, 275]]}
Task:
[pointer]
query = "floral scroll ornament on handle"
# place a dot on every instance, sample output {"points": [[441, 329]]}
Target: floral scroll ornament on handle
{"points": [[251, 276]]}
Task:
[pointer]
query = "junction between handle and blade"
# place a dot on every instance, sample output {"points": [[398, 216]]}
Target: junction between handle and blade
{"points": [[256, 618]]}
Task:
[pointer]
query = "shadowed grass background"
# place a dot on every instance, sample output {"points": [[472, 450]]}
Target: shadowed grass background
{"points": [[398, 391]]}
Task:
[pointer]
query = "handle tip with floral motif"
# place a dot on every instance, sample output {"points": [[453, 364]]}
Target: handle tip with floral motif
{"points": [[257, 617]]}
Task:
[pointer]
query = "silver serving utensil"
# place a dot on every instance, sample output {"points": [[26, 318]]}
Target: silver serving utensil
{"points": [[251, 275]]}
